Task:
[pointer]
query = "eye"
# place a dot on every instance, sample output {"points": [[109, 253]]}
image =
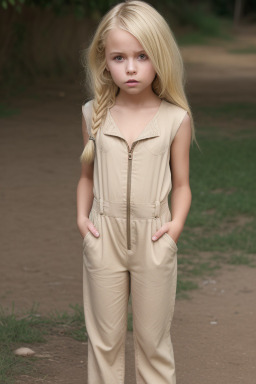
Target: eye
{"points": [[143, 56], [118, 58]]}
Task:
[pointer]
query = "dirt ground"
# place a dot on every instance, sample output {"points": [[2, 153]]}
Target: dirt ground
{"points": [[41, 250]]}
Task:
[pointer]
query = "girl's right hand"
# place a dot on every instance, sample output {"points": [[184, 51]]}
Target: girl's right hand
{"points": [[87, 226]]}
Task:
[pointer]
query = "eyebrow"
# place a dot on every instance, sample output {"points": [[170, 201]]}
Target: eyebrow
{"points": [[121, 53]]}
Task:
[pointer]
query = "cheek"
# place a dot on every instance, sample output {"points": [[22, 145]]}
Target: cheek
{"points": [[115, 72], [149, 69], [150, 73]]}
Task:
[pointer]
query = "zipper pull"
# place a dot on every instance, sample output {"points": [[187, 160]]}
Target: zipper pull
{"points": [[130, 155]]}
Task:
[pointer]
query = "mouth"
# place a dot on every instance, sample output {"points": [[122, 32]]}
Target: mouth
{"points": [[132, 82]]}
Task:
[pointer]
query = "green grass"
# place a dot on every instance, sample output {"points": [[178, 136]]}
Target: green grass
{"points": [[185, 285], [231, 110], [221, 226], [23, 330], [70, 324], [31, 328], [251, 50], [14, 332], [241, 260], [222, 181]]}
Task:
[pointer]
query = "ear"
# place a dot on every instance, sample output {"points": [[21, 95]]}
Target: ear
{"points": [[107, 68]]}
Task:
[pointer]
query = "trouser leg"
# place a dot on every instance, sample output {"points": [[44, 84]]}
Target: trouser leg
{"points": [[105, 304], [153, 289]]}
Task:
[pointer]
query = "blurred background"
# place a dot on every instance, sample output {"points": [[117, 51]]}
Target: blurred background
{"points": [[41, 38], [42, 89]]}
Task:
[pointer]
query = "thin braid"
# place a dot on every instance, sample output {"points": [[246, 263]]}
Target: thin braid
{"points": [[104, 98], [101, 102]]}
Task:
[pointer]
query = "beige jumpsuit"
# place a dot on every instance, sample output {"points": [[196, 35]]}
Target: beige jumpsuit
{"points": [[131, 187]]}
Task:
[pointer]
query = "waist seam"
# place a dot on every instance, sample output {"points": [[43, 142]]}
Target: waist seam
{"points": [[137, 211]]}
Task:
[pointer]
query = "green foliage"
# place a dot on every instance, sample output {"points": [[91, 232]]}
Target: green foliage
{"points": [[32, 51], [199, 18], [184, 9], [226, 7], [80, 8], [223, 7], [16, 4]]}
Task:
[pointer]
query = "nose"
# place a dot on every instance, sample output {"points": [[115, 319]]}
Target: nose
{"points": [[131, 67]]}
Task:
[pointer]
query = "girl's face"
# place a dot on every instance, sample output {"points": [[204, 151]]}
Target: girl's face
{"points": [[126, 60]]}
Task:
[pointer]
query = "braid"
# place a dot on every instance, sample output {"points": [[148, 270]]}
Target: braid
{"points": [[104, 98], [101, 102]]}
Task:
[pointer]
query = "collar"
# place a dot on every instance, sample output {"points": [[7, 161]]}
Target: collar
{"points": [[150, 130]]}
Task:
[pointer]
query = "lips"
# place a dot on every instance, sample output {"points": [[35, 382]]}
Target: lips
{"points": [[131, 81]]}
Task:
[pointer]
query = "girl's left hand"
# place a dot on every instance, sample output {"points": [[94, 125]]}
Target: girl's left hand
{"points": [[171, 228]]}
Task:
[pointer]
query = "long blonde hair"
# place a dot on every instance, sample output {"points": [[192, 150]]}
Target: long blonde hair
{"points": [[153, 33]]}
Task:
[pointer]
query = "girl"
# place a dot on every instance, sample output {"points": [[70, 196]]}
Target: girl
{"points": [[137, 132]]}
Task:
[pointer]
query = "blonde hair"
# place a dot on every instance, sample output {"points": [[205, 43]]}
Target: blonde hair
{"points": [[153, 33]]}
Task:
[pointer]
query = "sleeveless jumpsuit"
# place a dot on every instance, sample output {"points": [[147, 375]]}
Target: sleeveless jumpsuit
{"points": [[131, 188]]}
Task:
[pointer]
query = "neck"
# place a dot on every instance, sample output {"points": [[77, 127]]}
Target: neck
{"points": [[146, 98]]}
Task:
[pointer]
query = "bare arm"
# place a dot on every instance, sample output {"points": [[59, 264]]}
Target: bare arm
{"points": [[85, 193], [181, 193]]}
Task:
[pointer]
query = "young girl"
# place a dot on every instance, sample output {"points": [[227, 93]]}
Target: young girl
{"points": [[137, 132]]}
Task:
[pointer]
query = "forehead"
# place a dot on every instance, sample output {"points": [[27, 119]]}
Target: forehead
{"points": [[119, 40]]}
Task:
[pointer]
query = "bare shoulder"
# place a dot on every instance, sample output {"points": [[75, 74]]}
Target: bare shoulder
{"points": [[184, 131], [185, 124]]}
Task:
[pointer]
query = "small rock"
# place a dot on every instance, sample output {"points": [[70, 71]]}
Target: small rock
{"points": [[23, 351], [213, 322]]}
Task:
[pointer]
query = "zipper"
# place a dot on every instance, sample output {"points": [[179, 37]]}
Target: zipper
{"points": [[128, 198]]}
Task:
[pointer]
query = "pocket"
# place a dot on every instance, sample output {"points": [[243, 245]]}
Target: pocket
{"points": [[170, 241], [88, 234], [94, 220], [92, 246], [166, 237]]}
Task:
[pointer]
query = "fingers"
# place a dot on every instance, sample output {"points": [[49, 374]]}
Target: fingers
{"points": [[93, 230], [160, 232]]}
